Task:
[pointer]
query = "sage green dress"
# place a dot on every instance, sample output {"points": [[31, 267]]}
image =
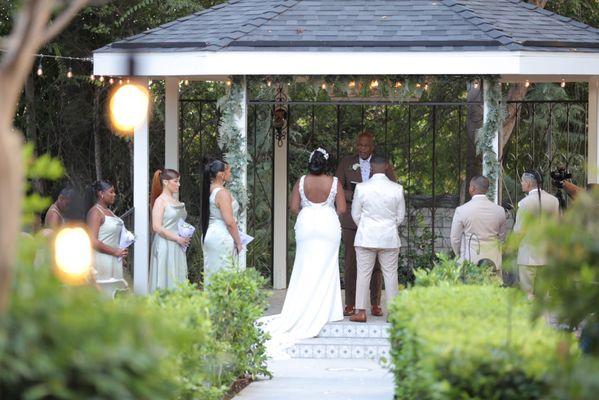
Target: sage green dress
{"points": [[168, 262], [218, 244], [108, 266]]}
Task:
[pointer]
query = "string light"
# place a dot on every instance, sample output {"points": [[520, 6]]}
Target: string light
{"points": [[527, 83], [324, 86], [475, 84], [120, 81], [40, 70], [418, 85], [111, 81], [128, 81], [268, 83], [229, 83], [352, 84], [150, 82], [186, 82], [398, 84], [563, 84], [101, 79], [374, 84], [92, 77]]}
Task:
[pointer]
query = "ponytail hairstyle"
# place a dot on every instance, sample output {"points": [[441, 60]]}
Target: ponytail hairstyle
{"points": [[535, 177], [93, 191], [211, 169], [159, 176]]}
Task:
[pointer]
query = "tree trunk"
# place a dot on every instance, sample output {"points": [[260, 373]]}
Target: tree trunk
{"points": [[474, 120], [97, 138]]}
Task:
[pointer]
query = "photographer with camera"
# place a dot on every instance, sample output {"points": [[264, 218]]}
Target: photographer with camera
{"points": [[561, 180]]}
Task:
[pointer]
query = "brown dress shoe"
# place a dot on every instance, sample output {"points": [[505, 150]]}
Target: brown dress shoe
{"points": [[359, 316], [377, 311], [348, 310]]}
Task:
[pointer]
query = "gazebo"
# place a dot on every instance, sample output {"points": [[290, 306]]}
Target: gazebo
{"points": [[508, 39]]}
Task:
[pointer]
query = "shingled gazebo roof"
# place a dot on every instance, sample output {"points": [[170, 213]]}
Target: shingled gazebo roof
{"points": [[357, 26]]}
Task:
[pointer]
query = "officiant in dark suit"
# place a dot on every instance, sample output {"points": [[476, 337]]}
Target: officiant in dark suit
{"points": [[352, 170]]}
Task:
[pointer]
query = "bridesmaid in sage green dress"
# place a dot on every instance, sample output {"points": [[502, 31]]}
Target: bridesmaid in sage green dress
{"points": [[221, 241], [105, 228], [168, 262]]}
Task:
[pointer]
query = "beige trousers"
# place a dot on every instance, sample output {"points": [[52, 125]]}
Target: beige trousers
{"points": [[365, 259], [527, 275]]}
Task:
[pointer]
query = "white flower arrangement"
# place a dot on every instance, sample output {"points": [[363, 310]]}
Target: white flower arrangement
{"points": [[355, 167]]}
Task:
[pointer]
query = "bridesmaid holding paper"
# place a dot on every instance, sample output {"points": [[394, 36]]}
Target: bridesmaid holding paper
{"points": [[221, 238], [168, 263]]}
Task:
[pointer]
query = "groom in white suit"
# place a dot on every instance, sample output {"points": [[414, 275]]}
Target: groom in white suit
{"points": [[378, 208]]}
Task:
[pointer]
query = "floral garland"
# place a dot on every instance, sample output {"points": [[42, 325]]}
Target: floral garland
{"points": [[233, 143], [486, 135]]}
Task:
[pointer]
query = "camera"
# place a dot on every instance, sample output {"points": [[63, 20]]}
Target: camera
{"points": [[559, 175]]}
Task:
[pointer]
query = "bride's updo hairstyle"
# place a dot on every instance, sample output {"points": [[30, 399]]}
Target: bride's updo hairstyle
{"points": [[318, 163], [211, 169]]}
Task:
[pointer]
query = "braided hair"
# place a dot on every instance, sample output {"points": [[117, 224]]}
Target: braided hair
{"points": [[534, 176]]}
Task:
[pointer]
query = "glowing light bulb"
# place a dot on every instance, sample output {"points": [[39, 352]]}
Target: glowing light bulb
{"points": [[398, 84], [268, 83], [111, 81], [92, 77], [40, 71], [475, 84], [186, 82], [101, 79], [526, 84], [129, 107], [374, 84], [73, 255], [351, 84], [324, 86], [418, 85], [70, 73], [563, 84], [229, 83]]}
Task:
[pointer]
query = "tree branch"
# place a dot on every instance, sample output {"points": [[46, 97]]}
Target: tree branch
{"points": [[63, 19]]}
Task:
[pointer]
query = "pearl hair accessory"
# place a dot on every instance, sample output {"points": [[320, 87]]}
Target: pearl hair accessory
{"points": [[320, 150]]}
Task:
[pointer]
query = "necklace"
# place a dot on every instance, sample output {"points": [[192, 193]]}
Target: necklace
{"points": [[104, 209]]}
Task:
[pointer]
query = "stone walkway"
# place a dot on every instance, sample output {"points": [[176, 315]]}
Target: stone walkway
{"points": [[323, 378]]}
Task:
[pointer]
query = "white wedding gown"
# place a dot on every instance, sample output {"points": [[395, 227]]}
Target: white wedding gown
{"points": [[314, 293]]}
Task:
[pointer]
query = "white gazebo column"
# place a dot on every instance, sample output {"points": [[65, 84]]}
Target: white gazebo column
{"points": [[171, 124], [487, 87], [593, 133], [141, 185], [279, 257]]}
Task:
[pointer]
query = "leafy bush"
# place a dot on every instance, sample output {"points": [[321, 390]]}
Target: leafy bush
{"points": [[237, 299], [451, 271], [69, 343], [471, 342], [198, 355]]}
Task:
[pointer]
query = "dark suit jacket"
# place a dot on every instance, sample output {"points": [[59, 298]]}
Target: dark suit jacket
{"points": [[346, 174]]}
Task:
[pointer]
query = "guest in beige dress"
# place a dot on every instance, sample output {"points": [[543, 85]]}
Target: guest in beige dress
{"points": [[168, 262], [105, 229]]}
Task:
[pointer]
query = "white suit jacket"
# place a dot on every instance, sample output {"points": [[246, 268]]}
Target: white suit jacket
{"points": [[377, 209], [477, 230], [533, 253]]}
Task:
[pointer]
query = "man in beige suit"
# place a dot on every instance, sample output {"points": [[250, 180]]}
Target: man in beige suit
{"points": [[351, 171], [537, 204], [478, 227], [378, 209]]}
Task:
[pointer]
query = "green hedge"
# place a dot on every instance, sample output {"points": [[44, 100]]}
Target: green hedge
{"points": [[451, 271], [63, 342], [470, 342]]}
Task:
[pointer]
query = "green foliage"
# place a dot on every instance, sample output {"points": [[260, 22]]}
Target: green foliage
{"points": [[577, 381], [572, 273], [471, 342], [199, 355], [451, 271], [43, 167], [69, 343], [237, 299]]}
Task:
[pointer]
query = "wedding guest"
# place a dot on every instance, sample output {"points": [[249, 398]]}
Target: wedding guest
{"points": [[55, 216], [105, 230], [352, 170], [168, 262], [478, 227], [539, 204], [221, 240]]}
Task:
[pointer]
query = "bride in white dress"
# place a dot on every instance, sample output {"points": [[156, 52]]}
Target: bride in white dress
{"points": [[314, 293]]}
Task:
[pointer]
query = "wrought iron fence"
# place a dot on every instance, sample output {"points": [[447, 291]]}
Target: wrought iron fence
{"points": [[427, 142]]}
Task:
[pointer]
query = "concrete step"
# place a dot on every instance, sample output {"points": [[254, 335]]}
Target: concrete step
{"points": [[339, 347]]}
